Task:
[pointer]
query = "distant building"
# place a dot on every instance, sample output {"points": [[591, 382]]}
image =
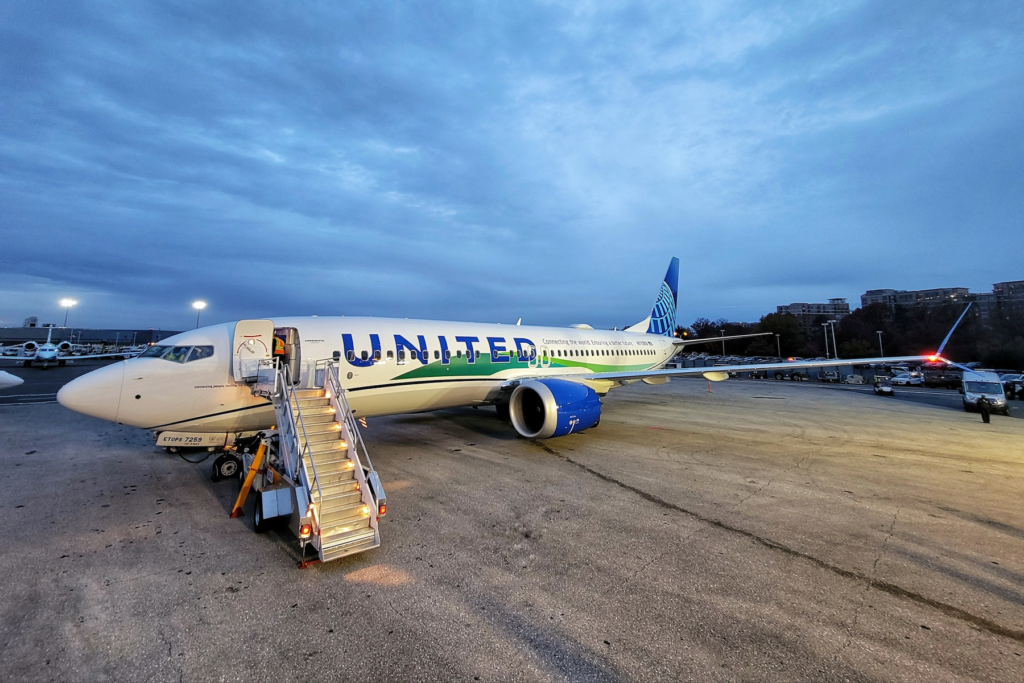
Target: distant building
{"points": [[808, 314], [1006, 298], [914, 297]]}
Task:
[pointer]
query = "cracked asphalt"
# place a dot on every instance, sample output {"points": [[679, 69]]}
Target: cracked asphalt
{"points": [[765, 531]]}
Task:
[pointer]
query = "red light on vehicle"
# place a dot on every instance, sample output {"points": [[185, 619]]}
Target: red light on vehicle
{"points": [[790, 359], [382, 509], [305, 531]]}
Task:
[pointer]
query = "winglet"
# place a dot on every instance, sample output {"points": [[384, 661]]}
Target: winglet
{"points": [[944, 341]]}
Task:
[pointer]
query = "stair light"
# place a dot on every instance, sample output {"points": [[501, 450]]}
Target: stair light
{"points": [[337, 426], [344, 444], [366, 510], [350, 464], [333, 411], [327, 394], [356, 486]]}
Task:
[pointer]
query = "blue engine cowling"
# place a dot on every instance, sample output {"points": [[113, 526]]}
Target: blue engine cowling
{"points": [[543, 408]]}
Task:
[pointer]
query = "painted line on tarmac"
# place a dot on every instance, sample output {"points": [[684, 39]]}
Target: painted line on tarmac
{"points": [[872, 582]]}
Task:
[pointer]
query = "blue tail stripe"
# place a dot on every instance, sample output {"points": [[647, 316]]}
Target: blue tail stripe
{"points": [[663, 315]]}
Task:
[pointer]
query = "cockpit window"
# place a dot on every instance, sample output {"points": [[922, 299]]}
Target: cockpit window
{"points": [[199, 352], [178, 354], [154, 352]]}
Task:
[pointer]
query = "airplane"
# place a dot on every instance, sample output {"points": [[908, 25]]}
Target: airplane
{"points": [[549, 381], [31, 353], [7, 380]]}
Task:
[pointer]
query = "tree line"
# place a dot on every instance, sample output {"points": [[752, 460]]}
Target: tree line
{"points": [[906, 331]]}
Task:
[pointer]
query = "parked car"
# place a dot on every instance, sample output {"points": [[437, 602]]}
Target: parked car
{"points": [[854, 379], [883, 386], [908, 379], [828, 376], [1013, 384]]}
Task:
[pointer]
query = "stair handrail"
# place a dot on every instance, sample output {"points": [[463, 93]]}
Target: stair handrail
{"points": [[288, 393], [350, 420]]}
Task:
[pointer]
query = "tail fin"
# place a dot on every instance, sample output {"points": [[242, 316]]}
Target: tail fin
{"points": [[662, 319]]}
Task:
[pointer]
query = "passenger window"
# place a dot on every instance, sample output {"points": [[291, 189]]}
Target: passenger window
{"points": [[459, 353], [376, 355], [447, 354], [177, 354], [391, 355], [363, 355], [478, 353], [350, 355], [200, 352], [401, 355], [437, 354]]}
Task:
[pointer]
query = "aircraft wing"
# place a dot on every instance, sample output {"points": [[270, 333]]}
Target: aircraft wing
{"points": [[708, 340], [721, 370]]}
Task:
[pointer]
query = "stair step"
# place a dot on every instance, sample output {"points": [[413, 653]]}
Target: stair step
{"points": [[329, 448], [313, 410], [350, 546], [351, 516], [338, 500], [312, 436], [330, 529], [336, 480], [309, 393], [311, 402], [318, 419]]}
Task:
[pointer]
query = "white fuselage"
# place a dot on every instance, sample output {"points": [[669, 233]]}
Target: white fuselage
{"points": [[377, 367]]}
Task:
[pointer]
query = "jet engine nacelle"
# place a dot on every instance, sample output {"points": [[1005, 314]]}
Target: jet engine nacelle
{"points": [[64, 347], [30, 346], [543, 408]]}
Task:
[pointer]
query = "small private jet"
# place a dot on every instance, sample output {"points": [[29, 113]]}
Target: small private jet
{"points": [[548, 380], [33, 354]]}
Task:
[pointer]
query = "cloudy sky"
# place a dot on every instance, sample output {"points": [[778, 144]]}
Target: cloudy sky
{"points": [[486, 161]]}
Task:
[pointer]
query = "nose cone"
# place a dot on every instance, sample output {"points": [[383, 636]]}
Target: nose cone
{"points": [[97, 393], [8, 380]]}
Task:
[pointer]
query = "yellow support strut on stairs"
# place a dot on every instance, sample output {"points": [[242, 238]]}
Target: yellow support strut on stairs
{"points": [[237, 511]]}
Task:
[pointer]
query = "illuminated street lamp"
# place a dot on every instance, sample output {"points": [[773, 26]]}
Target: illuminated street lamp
{"points": [[880, 354], [199, 306], [67, 304]]}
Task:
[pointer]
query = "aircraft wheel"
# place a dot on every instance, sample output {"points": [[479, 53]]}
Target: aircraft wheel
{"points": [[225, 467], [259, 523], [779, 375]]}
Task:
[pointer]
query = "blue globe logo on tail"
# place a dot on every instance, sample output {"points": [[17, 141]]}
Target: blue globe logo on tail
{"points": [[663, 315]]}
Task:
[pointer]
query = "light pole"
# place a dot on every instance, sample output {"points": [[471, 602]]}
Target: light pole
{"points": [[778, 344], [835, 349], [199, 306], [723, 342], [67, 304], [824, 329]]}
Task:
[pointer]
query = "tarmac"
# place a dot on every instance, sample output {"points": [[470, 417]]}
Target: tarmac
{"points": [[770, 531]]}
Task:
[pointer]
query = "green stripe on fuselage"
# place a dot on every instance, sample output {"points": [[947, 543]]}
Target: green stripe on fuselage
{"points": [[484, 367]]}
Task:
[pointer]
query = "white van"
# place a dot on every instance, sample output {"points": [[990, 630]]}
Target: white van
{"points": [[983, 385]]}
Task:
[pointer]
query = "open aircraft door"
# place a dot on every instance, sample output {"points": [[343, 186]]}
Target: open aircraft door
{"points": [[254, 342]]}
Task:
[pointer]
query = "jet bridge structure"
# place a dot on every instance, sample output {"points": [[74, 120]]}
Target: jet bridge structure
{"points": [[313, 469]]}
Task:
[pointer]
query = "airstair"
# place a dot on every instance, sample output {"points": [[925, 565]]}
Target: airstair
{"points": [[336, 498]]}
